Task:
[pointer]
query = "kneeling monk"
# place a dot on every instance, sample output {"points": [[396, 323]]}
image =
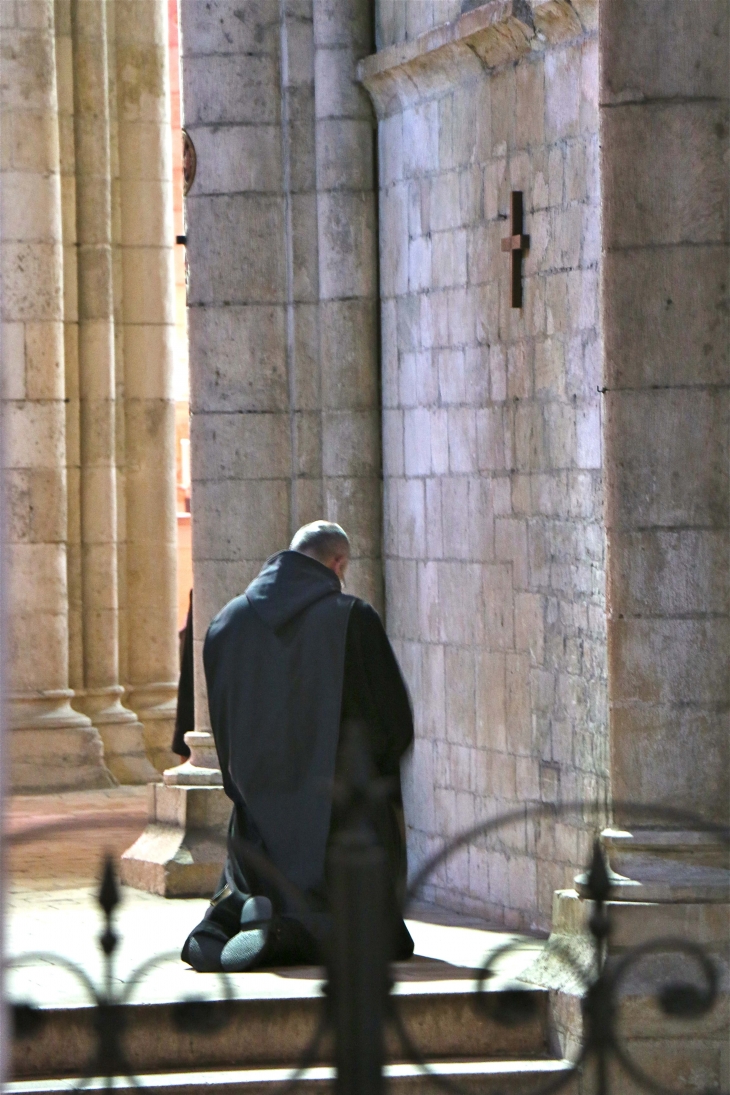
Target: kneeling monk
{"points": [[288, 664]]}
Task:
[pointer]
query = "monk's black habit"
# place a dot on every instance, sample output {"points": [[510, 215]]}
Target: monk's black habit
{"points": [[287, 663]]}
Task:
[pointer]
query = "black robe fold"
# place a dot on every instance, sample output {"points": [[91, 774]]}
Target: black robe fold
{"points": [[285, 664]]}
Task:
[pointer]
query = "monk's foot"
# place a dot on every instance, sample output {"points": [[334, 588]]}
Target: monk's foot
{"points": [[255, 910], [203, 948], [250, 946]]}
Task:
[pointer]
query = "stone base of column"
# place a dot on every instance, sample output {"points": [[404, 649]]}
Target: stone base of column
{"points": [[679, 890], [122, 734], [52, 746], [156, 706], [182, 851]]}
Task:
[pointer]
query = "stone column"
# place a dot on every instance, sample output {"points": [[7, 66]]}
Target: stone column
{"points": [[664, 121], [51, 745], [664, 139], [347, 244], [147, 240], [118, 726]]}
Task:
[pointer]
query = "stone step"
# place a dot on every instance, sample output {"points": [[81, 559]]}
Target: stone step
{"points": [[481, 1077], [442, 1019]]}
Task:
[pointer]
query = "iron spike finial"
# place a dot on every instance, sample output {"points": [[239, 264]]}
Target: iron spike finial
{"points": [[599, 882], [108, 891]]}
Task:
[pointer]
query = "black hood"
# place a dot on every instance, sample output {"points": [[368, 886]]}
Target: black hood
{"points": [[288, 583]]}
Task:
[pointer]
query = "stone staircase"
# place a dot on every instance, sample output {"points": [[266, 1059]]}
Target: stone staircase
{"points": [[256, 1039]]}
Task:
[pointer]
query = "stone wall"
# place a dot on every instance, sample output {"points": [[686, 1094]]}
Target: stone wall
{"points": [[282, 256], [494, 545]]}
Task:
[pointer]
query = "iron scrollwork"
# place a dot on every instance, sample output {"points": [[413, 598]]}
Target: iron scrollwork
{"points": [[358, 1002]]}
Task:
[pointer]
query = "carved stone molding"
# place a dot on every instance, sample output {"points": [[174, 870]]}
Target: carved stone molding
{"points": [[494, 34]]}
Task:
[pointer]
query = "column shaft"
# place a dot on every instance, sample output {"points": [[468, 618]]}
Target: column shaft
{"points": [[52, 746], [121, 732], [664, 140], [347, 245], [148, 308]]}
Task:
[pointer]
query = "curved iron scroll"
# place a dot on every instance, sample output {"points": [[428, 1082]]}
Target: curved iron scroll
{"points": [[359, 1054]]}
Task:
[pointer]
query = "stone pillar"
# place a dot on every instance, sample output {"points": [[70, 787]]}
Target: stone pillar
{"points": [[147, 240], [121, 732], [282, 294], [664, 122], [664, 139], [347, 243], [51, 745]]}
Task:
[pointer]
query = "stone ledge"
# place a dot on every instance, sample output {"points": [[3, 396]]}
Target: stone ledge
{"points": [[494, 34]]}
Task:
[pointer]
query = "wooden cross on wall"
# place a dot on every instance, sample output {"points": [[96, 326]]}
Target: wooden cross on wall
{"points": [[516, 243]]}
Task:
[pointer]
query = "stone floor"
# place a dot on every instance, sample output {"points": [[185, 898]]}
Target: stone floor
{"points": [[51, 907]]}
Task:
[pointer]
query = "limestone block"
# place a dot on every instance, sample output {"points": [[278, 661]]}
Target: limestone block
{"points": [[356, 505], [392, 443], [556, 20], [44, 361], [364, 579], [347, 244], [46, 666], [348, 349], [241, 446], [30, 206], [342, 22], [220, 30], [33, 513], [299, 49], [652, 490], [309, 429], [650, 197], [345, 154], [671, 572], [421, 139], [58, 758], [301, 138], [670, 661], [148, 349], [237, 158], [145, 143], [449, 258], [305, 281], [417, 441], [239, 519], [238, 356], [32, 286], [240, 90], [150, 220], [462, 440], [390, 149], [239, 239], [411, 526], [420, 264], [337, 91], [655, 749], [148, 274], [28, 64], [454, 500], [638, 41], [219, 582], [182, 851], [682, 335]]}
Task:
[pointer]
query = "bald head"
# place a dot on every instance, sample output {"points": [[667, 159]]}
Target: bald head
{"points": [[326, 542]]}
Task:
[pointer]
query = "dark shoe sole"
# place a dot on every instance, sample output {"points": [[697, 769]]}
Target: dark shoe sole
{"points": [[245, 949]]}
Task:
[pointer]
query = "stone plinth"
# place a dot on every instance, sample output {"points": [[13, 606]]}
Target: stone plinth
{"points": [[667, 887], [182, 851]]}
